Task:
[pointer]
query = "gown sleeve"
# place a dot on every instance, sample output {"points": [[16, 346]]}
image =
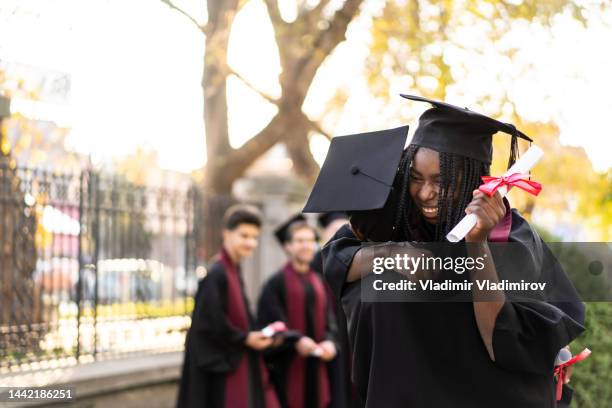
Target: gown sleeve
{"points": [[271, 307], [529, 334], [331, 329], [337, 255], [317, 263], [218, 345]]}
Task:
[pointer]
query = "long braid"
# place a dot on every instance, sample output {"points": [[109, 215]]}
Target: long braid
{"points": [[402, 183], [443, 193], [471, 173]]}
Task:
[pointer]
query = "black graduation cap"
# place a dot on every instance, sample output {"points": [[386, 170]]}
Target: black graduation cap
{"points": [[358, 171], [451, 129], [282, 230], [325, 219]]}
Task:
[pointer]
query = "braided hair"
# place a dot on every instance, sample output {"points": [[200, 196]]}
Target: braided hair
{"points": [[459, 176]]}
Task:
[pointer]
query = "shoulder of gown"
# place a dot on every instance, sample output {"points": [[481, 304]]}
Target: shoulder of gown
{"points": [[216, 345], [337, 256]]}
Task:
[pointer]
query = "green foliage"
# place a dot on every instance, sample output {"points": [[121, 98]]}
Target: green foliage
{"points": [[592, 378], [421, 46], [409, 39]]}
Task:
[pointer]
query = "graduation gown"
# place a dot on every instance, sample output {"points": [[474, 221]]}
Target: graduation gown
{"points": [[338, 369], [300, 301], [422, 355], [219, 370]]}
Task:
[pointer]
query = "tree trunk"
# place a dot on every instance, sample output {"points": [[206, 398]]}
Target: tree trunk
{"points": [[303, 47]]}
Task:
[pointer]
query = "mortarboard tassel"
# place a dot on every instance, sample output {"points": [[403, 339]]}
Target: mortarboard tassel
{"points": [[514, 150]]}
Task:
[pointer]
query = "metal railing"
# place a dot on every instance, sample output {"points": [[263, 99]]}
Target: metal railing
{"points": [[92, 266]]}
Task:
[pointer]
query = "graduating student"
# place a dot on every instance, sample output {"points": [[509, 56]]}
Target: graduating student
{"points": [[296, 295], [223, 365], [497, 353]]}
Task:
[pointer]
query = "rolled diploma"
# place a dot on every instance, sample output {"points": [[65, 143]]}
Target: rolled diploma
{"points": [[563, 357], [317, 352], [523, 166]]}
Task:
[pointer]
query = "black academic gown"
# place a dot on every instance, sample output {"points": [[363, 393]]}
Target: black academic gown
{"points": [[426, 355], [272, 307], [339, 368], [214, 348]]}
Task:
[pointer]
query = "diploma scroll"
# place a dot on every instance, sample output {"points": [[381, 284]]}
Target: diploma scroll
{"points": [[563, 357], [317, 352], [522, 166], [273, 329]]}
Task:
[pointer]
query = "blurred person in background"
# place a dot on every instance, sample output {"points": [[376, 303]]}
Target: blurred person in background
{"points": [[223, 365], [296, 295]]}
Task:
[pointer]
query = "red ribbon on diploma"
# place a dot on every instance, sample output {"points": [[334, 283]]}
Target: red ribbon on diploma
{"points": [[514, 180], [560, 369], [274, 328]]}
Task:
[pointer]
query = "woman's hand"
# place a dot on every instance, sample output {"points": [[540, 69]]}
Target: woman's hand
{"points": [[489, 212]]}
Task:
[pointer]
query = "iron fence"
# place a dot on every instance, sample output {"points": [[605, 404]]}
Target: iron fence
{"points": [[92, 266]]}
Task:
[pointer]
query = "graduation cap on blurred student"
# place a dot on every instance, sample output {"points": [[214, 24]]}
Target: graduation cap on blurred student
{"points": [[325, 219], [282, 231], [359, 170]]}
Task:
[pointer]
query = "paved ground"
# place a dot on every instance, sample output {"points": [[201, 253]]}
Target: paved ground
{"points": [[159, 396], [149, 381]]}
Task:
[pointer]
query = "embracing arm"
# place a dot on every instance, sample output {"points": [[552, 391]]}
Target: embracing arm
{"points": [[518, 335]]}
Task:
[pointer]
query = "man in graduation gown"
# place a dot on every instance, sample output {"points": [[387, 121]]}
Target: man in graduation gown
{"points": [[296, 295], [494, 353], [223, 366]]}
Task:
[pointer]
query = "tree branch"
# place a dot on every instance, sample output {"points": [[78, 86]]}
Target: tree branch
{"points": [[264, 95], [304, 164], [201, 28], [316, 126], [274, 12], [322, 47], [336, 31], [241, 158], [317, 12]]}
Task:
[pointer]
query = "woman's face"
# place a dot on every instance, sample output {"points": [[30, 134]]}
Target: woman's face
{"points": [[425, 183]]}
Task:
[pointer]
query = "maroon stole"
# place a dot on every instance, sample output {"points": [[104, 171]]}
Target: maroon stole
{"points": [[296, 314], [501, 232], [237, 394]]}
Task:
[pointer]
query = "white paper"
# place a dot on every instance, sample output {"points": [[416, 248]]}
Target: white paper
{"points": [[523, 165], [563, 357], [268, 331]]}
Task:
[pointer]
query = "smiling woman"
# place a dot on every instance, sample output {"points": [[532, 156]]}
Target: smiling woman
{"points": [[506, 347]]}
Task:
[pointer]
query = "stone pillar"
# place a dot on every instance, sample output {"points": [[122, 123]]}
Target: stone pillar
{"points": [[278, 198]]}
